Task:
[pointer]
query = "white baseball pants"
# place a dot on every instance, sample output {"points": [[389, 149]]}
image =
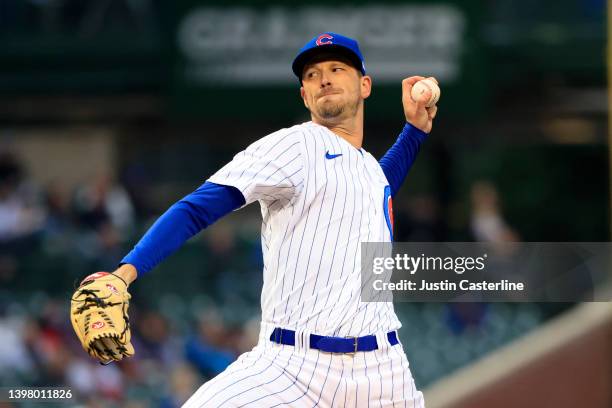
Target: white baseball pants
{"points": [[276, 375]]}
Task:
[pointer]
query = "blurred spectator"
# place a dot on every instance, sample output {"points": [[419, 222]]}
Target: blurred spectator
{"points": [[418, 220], [103, 201], [137, 182], [106, 217], [207, 349], [183, 383], [20, 213], [14, 356], [487, 225], [80, 376], [222, 242], [487, 222], [461, 316], [237, 278], [59, 216], [44, 337], [109, 381], [154, 339], [250, 335]]}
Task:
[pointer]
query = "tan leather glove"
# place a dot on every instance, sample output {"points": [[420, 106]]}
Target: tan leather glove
{"points": [[99, 316]]}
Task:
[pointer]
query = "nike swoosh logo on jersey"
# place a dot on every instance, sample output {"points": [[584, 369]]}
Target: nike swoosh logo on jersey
{"points": [[331, 156]]}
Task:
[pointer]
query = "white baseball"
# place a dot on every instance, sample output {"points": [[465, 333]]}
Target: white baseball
{"points": [[424, 85]]}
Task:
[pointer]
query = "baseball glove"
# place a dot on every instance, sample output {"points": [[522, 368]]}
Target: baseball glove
{"points": [[98, 312]]}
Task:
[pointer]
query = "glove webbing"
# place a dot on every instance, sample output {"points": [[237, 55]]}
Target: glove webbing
{"points": [[92, 299]]}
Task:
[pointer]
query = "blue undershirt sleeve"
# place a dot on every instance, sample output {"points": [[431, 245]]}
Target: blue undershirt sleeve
{"points": [[399, 158], [181, 221]]}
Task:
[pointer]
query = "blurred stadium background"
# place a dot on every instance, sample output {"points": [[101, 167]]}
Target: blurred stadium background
{"points": [[111, 110]]}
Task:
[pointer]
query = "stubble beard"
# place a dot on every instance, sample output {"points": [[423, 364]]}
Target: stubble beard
{"points": [[332, 113]]}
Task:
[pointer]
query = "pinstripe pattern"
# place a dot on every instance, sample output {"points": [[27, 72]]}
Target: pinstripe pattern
{"points": [[283, 376], [316, 211]]}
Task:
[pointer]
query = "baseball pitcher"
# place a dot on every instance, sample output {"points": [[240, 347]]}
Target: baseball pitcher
{"points": [[321, 195]]}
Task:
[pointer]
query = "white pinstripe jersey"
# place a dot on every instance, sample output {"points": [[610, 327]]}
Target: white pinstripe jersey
{"points": [[320, 198]]}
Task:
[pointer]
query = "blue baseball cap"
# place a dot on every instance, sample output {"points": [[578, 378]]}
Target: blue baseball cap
{"points": [[333, 42]]}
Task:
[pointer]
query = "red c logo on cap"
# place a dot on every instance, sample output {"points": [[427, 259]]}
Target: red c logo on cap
{"points": [[324, 39]]}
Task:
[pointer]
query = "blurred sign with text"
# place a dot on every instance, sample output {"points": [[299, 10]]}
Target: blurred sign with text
{"points": [[252, 46]]}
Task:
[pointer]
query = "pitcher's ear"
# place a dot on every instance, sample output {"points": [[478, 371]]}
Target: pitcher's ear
{"points": [[303, 95], [366, 86]]}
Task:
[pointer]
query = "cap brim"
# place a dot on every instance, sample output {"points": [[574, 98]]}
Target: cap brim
{"points": [[302, 59]]}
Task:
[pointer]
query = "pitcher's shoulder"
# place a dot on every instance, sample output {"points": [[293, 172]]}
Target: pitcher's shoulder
{"points": [[307, 134], [302, 130], [284, 137]]}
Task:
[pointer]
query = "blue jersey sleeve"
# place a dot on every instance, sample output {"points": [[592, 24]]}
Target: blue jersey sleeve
{"points": [[399, 158], [183, 220]]}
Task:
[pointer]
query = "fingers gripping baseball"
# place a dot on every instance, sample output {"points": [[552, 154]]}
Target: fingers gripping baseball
{"points": [[432, 111], [416, 104]]}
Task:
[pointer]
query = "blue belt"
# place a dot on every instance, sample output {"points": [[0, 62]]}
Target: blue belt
{"points": [[333, 344]]}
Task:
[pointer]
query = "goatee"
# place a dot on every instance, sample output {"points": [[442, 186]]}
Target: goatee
{"points": [[330, 112]]}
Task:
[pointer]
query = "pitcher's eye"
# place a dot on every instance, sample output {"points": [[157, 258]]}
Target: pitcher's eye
{"points": [[311, 74]]}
